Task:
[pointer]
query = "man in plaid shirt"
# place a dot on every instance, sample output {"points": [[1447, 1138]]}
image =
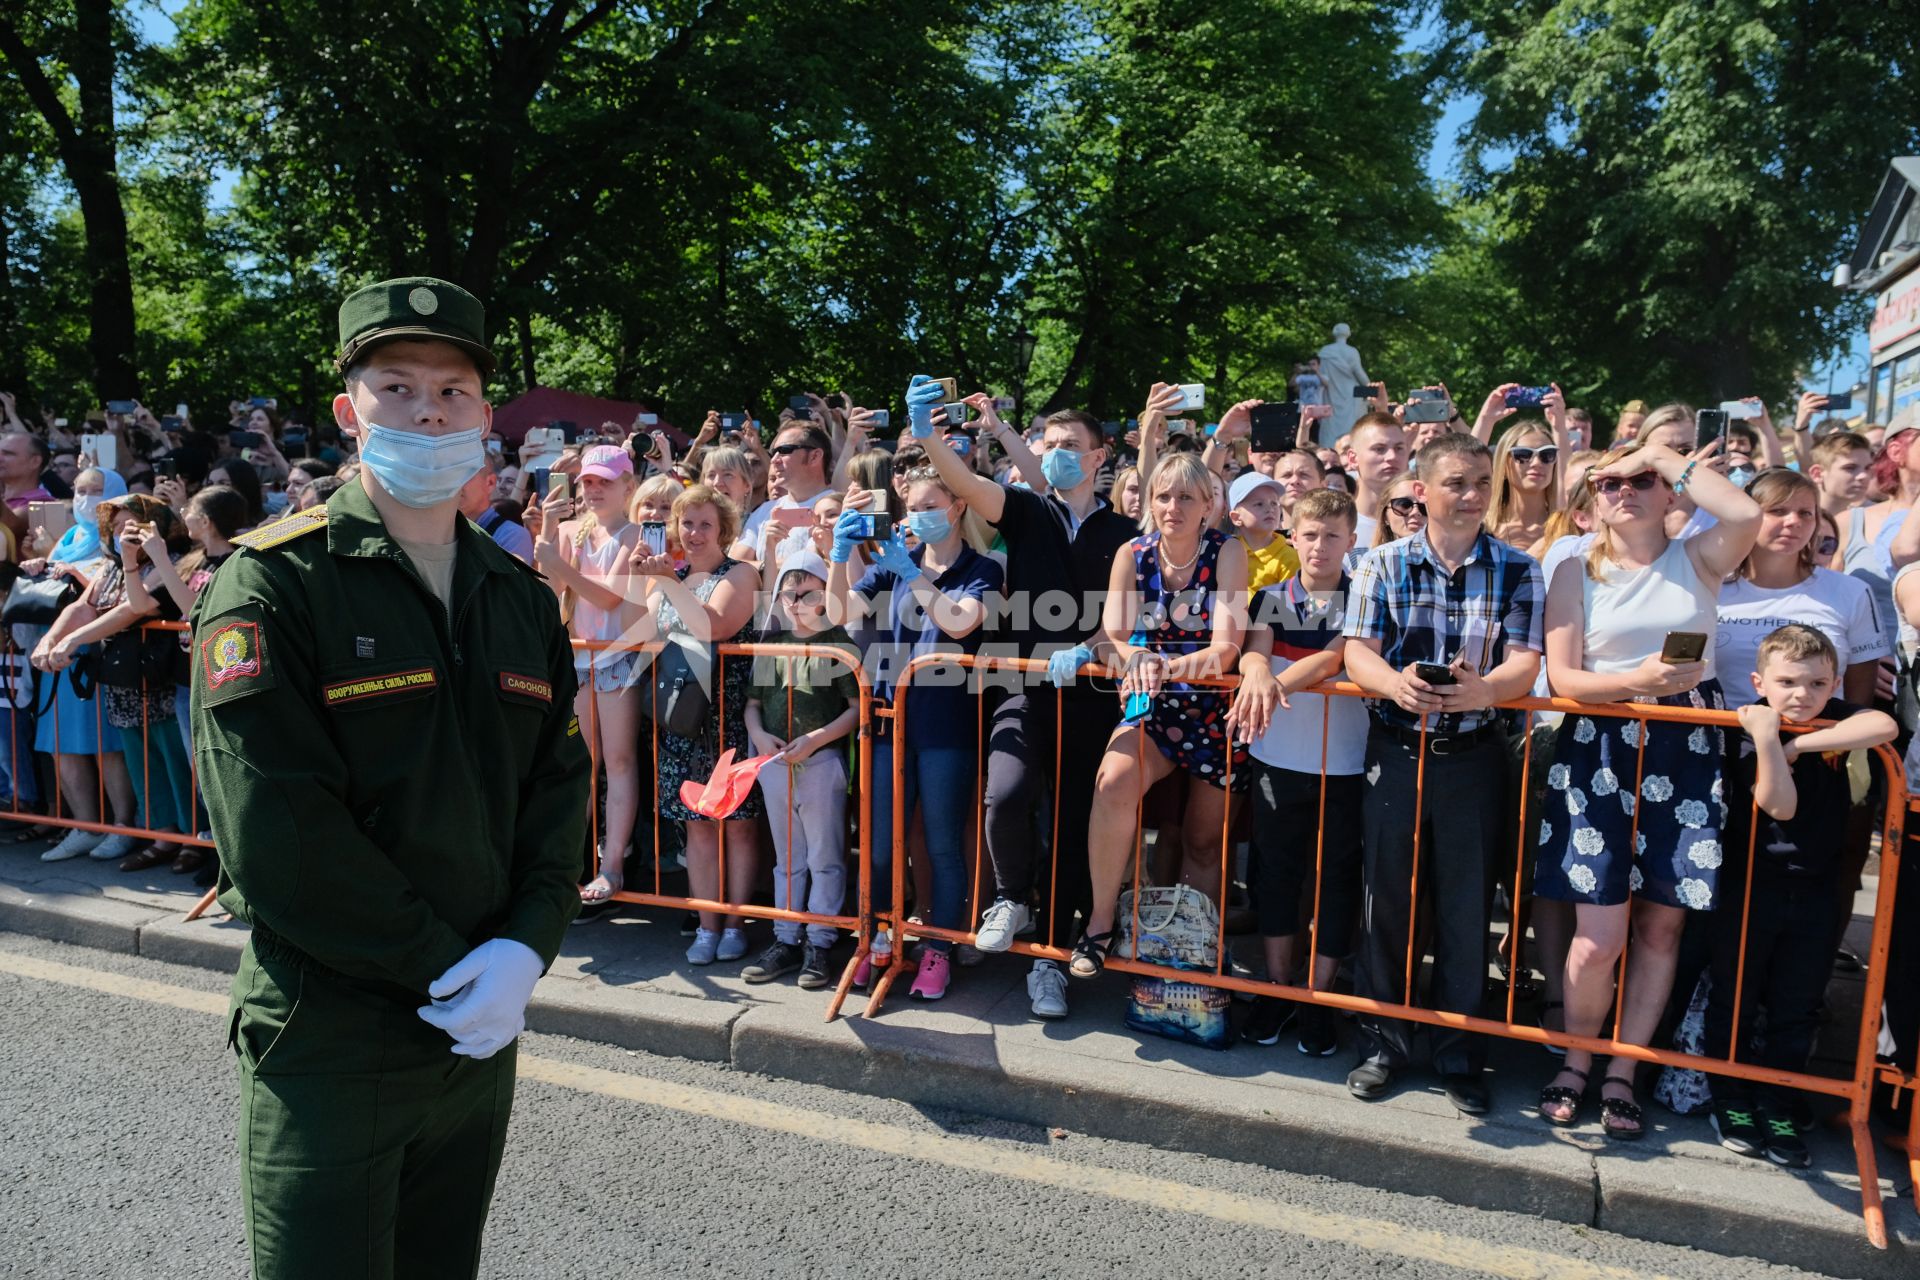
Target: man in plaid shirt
{"points": [[1457, 598]]}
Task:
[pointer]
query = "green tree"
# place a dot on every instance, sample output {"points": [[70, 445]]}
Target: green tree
{"points": [[63, 62], [1672, 180]]}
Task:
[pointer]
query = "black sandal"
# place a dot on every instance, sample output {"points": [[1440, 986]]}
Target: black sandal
{"points": [[1621, 1109], [1090, 954], [1554, 1094]]}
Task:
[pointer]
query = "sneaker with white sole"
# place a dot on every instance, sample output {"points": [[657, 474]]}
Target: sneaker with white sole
{"points": [[1047, 988], [935, 973], [72, 845], [1004, 921], [114, 847], [705, 948], [733, 945], [778, 959]]}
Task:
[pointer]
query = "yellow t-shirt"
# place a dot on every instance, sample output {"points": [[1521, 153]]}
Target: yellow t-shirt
{"points": [[1275, 562]]}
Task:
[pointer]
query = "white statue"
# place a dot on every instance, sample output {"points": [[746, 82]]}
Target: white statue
{"points": [[1340, 373]]}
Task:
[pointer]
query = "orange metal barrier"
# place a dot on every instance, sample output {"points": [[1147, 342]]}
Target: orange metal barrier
{"points": [[21, 750], [860, 861], [1856, 1089]]}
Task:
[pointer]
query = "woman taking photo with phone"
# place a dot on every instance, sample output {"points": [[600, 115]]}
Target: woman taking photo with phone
{"points": [[701, 604], [910, 603], [586, 559], [1630, 833]]}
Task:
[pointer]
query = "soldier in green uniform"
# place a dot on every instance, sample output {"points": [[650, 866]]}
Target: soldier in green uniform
{"points": [[382, 717]]}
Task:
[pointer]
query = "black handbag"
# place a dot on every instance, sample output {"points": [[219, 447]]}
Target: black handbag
{"points": [[138, 659], [676, 697], [38, 602]]}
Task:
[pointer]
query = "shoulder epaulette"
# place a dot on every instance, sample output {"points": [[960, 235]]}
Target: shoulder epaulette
{"points": [[285, 529]]}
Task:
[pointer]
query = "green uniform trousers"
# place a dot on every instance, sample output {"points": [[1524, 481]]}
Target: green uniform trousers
{"points": [[367, 1147]]}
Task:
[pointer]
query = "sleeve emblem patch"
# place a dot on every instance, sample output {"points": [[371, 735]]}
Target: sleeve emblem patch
{"points": [[231, 653]]}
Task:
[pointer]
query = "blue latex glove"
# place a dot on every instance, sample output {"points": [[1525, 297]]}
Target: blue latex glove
{"points": [[489, 989], [896, 559], [923, 396], [846, 535], [1062, 666]]}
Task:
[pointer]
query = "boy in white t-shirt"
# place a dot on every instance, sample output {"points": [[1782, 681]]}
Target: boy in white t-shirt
{"points": [[1294, 644]]}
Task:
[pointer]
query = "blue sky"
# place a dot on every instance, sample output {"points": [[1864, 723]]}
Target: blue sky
{"points": [[156, 25]]}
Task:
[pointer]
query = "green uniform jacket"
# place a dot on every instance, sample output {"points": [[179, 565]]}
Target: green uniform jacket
{"points": [[387, 792]]}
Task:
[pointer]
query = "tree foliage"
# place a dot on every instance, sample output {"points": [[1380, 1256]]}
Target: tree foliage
{"points": [[718, 202]]}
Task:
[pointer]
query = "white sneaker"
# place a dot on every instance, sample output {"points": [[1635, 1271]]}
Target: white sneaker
{"points": [[72, 845], [706, 945], [1047, 988], [114, 847], [733, 945], [1002, 923]]}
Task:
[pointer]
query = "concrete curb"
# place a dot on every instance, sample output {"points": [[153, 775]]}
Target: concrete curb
{"points": [[1414, 1144]]}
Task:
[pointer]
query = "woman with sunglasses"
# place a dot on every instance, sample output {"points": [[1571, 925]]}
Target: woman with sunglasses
{"points": [[1630, 833], [1781, 581], [1400, 515], [1526, 487]]}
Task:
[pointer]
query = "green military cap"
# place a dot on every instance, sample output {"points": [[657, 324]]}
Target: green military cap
{"points": [[414, 307]]}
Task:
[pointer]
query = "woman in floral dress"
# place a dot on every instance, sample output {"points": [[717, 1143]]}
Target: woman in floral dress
{"points": [[1631, 829]]}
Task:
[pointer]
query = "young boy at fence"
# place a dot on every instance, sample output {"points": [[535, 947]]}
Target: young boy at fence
{"points": [[1296, 643], [1799, 784], [800, 709], [1255, 507]]}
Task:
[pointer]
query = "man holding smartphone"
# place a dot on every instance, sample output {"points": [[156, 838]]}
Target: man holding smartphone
{"points": [[1440, 627], [382, 715]]}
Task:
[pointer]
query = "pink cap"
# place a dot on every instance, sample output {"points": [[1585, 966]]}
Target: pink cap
{"points": [[608, 461]]}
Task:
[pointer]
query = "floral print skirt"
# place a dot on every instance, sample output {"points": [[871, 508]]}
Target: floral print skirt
{"points": [[1671, 822]]}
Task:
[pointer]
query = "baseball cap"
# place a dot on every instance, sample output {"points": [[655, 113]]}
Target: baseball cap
{"points": [[804, 562], [608, 461], [413, 307], [1246, 485]]}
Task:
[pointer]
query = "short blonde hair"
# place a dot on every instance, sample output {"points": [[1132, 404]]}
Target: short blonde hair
{"points": [[1176, 469], [701, 495], [726, 458], [656, 489]]}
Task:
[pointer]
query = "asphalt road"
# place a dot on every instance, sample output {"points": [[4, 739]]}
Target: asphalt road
{"points": [[117, 1159]]}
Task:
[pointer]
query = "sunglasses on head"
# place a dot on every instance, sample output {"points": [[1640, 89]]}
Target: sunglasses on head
{"points": [[782, 450], [1406, 506], [1610, 485], [1548, 454]]}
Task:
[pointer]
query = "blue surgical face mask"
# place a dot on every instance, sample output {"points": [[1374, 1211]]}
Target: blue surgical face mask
{"points": [[930, 527], [1741, 477], [420, 470], [1062, 468]]}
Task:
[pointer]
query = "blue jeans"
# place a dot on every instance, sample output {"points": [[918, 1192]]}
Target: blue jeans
{"points": [[940, 780], [19, 784]]}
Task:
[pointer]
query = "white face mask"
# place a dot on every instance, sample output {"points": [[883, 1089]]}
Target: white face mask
{"points": [[86, 506], [420, 470]]}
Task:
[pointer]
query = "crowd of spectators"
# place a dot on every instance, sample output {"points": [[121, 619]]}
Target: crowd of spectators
{"points": [[1703, 560]]}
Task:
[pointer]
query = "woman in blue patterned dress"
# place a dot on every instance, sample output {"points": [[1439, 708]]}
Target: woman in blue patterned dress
{"points": [[1631, 829], [1176, 608]]}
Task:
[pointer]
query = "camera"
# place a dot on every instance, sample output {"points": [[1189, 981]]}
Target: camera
{"points": [[1526, 397]]}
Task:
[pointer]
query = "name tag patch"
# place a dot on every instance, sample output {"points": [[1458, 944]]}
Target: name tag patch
{"points": [[527, 686], [420, 680]]}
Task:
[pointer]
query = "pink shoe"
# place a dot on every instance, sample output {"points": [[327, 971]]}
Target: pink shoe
{"points": [[935, 972]]}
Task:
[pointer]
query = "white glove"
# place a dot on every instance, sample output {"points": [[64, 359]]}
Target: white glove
{"points": [[493, 983]]}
